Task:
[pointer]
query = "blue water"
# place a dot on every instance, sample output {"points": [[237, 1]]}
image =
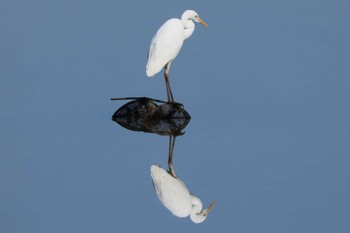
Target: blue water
{"points": [[266, 85]]}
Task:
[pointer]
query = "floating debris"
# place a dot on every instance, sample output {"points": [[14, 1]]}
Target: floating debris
{"points": [[143, 114]]}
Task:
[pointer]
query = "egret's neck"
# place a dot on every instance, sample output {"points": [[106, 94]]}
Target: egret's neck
{"points": [[189, 27], [196, 215]]}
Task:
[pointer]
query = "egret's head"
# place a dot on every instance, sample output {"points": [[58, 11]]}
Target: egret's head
{"points": [[202, 215], [192, 15]]}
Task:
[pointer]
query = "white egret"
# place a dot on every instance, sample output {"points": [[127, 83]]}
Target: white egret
{"points": [[167, 42], [174, 194]]}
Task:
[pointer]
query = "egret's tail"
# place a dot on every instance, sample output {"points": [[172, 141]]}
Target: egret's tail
{"points": [[152, 69], [149, 73]]}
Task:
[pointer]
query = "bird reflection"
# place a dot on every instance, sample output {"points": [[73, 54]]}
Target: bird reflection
{"points": [[143, 114], [174, 194]]}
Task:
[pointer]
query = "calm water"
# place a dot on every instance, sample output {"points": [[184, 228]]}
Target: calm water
{"points": [[266, 85]]}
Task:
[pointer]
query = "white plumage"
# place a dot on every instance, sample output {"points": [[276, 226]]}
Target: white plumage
{"points": [[175, 196], [167, 43], [165, 46]]}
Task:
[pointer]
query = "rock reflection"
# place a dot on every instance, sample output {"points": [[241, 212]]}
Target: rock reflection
{"points": [[143, 114], [174, 194]]}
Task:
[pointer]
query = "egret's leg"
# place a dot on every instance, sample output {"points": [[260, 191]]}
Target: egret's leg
{"points": [[170, 159], [167, 83]]}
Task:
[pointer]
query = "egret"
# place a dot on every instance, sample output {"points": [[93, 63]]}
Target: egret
{"points": [[167, 42], [174, 194]]}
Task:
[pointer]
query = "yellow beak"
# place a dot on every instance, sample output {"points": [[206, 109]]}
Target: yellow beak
{"points": [[202, 22], [209, 208]]}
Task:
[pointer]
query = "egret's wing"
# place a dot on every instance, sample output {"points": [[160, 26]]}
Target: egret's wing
{"points": [[171, 191], [165, 45], [151, 68]]}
